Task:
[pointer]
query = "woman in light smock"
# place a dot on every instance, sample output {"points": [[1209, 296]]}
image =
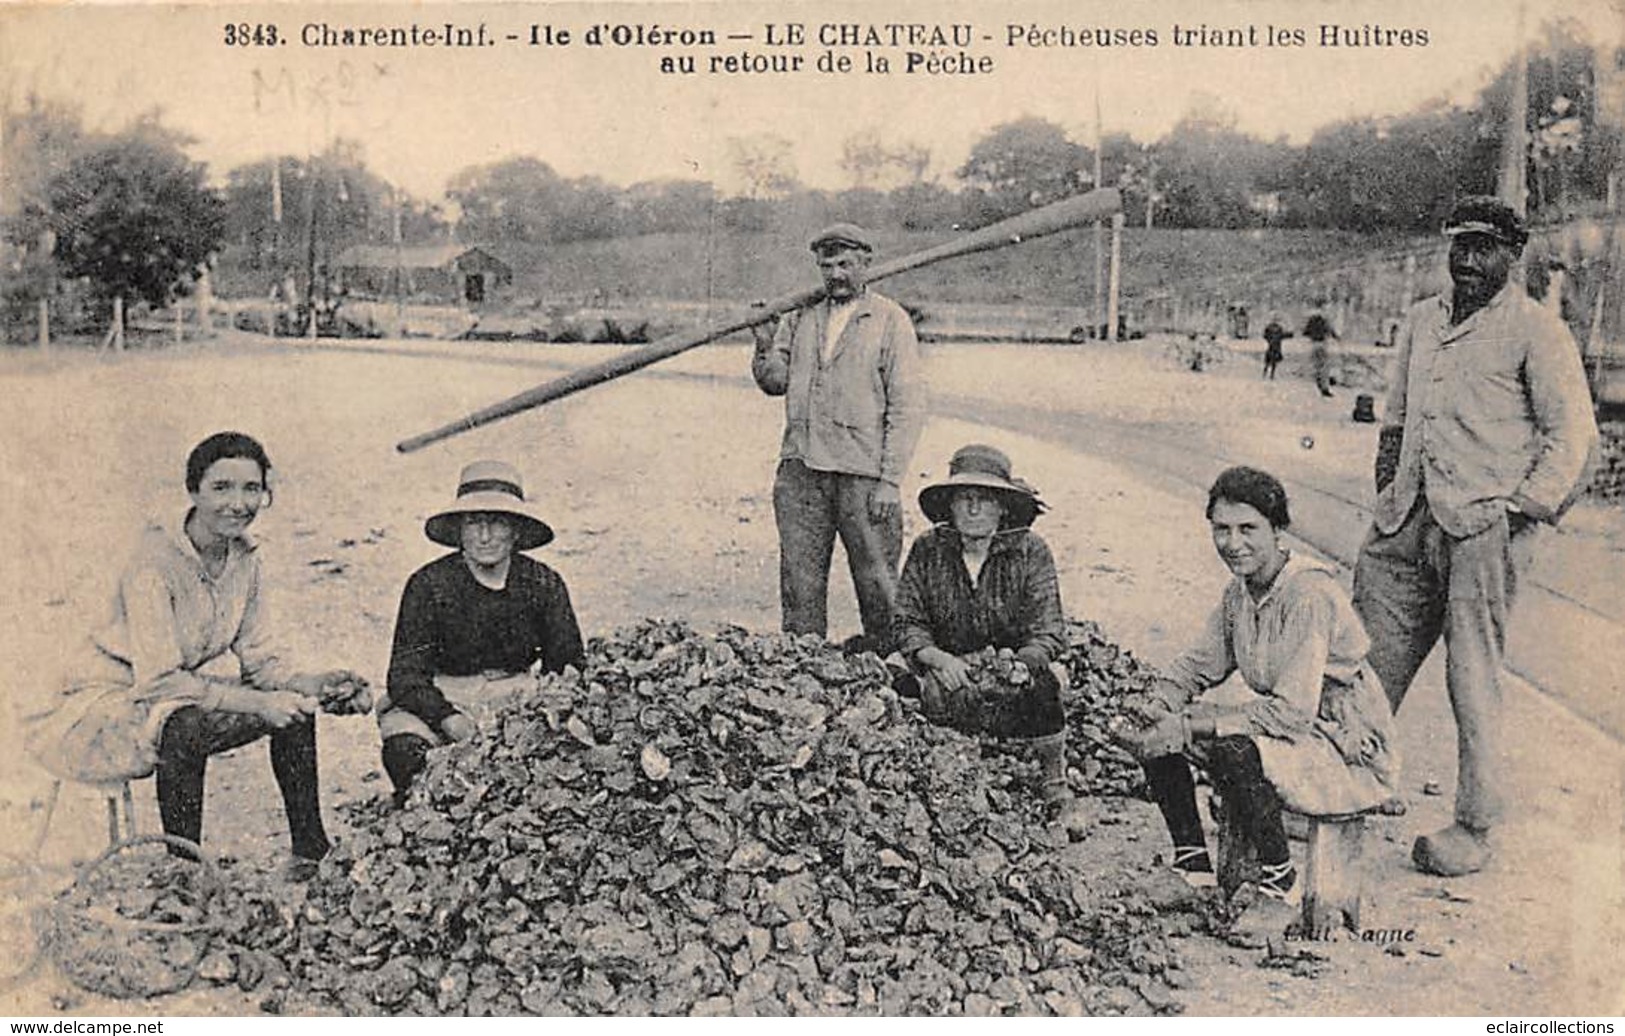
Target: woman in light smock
{"points": [[1317, 739], [136, 698]]}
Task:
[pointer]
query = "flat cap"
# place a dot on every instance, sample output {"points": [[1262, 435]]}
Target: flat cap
{"points": [[1483, 214], [842, 235]]}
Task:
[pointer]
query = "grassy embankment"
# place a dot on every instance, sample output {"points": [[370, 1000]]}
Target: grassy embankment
{"points": [[1051, 280]]}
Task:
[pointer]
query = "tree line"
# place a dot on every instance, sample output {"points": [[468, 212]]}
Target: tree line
{"points": [[130, 212]]}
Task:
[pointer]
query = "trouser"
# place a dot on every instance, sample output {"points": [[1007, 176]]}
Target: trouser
{"points": [[192, 734], [405, 756], [811, 508], [1421, 582], [1271, 361], [1237, 772], [1323, 369]]}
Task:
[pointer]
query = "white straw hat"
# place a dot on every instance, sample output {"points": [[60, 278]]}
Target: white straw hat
{"points": [[489, 487]]}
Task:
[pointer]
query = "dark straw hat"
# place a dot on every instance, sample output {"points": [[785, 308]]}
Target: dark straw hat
{"points": [[987, 468], [489, 487]]}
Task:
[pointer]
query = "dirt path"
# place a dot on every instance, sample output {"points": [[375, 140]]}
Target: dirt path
{"points": [[658, 488]]}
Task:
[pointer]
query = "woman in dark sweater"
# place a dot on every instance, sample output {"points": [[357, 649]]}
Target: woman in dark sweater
{"points": [[473, 621]]}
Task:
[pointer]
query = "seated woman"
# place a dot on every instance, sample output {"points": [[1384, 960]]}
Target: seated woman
{"points": [[471, 620], [981, 577], [135, 699], [1318, 739]]}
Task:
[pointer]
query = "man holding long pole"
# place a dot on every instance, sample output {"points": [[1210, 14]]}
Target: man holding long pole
{"points": [[849, 369]]}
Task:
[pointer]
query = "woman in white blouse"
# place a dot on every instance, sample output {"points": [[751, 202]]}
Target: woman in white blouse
{"points": [[136, 699], [1317, 739]]}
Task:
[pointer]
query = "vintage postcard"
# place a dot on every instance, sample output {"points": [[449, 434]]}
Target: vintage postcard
{"points": [[478, 391]]}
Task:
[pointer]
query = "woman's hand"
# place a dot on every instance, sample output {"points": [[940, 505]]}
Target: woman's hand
{"points": [[1145, 709], [1169, 735], [1150, 706], [951, 670], [946, 691], [457, 727], [280, 708], [338, 691]]}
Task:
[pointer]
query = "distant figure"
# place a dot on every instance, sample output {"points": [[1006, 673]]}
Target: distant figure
{"points": [[1485, 435], [1274, 335], [1238, 321], [1319, 331], [848, 368]]}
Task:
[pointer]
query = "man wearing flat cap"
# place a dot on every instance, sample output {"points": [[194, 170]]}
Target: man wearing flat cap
{"points": [[848, 368], [1487, 430]]}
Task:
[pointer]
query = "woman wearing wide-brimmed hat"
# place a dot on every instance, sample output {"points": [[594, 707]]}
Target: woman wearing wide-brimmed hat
{"points": [[981, 577], [472, 620]]}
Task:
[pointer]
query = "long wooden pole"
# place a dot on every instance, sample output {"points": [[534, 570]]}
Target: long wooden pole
{"points": [[1051, 219]]}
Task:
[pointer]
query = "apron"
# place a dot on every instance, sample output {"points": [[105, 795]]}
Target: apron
{"points": [[475, 696]]}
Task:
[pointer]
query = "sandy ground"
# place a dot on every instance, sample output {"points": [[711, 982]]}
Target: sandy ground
{"points": [[659, 489]]}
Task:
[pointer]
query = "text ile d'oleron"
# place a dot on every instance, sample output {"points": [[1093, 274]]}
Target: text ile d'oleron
{"points": [[788, 48]]}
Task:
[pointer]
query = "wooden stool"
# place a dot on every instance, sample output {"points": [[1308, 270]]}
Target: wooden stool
{"points": [[1333, 874], [115, 794]]}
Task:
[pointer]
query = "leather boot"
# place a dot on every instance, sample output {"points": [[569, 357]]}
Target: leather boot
{"points": [[1049, 752]]}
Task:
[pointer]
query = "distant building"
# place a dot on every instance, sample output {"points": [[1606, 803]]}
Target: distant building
{"points": [[443, 273], [1266, 203]]}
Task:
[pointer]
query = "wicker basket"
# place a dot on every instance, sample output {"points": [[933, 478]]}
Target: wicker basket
{"points": [[22, 896], [134, 927]]}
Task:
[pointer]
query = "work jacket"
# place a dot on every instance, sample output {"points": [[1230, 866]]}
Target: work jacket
{"points": [[858, 410]]}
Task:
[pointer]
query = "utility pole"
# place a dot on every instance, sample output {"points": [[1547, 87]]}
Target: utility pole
{"points": [[1116, 277], [310, 251], [400, 297], [1100, 229], [277, 273], [1513, 183], [276, 211], [47, 281], [1150, 191]]}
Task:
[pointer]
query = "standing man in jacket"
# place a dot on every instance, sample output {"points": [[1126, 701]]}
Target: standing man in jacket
{"points": [[1487, 429], [849, 369]]}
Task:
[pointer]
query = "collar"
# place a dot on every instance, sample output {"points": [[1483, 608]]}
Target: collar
{"points": [[1499, 301], [858, 302], [507, 577], [1296, 564], [1003, 541], [175, 535]]}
